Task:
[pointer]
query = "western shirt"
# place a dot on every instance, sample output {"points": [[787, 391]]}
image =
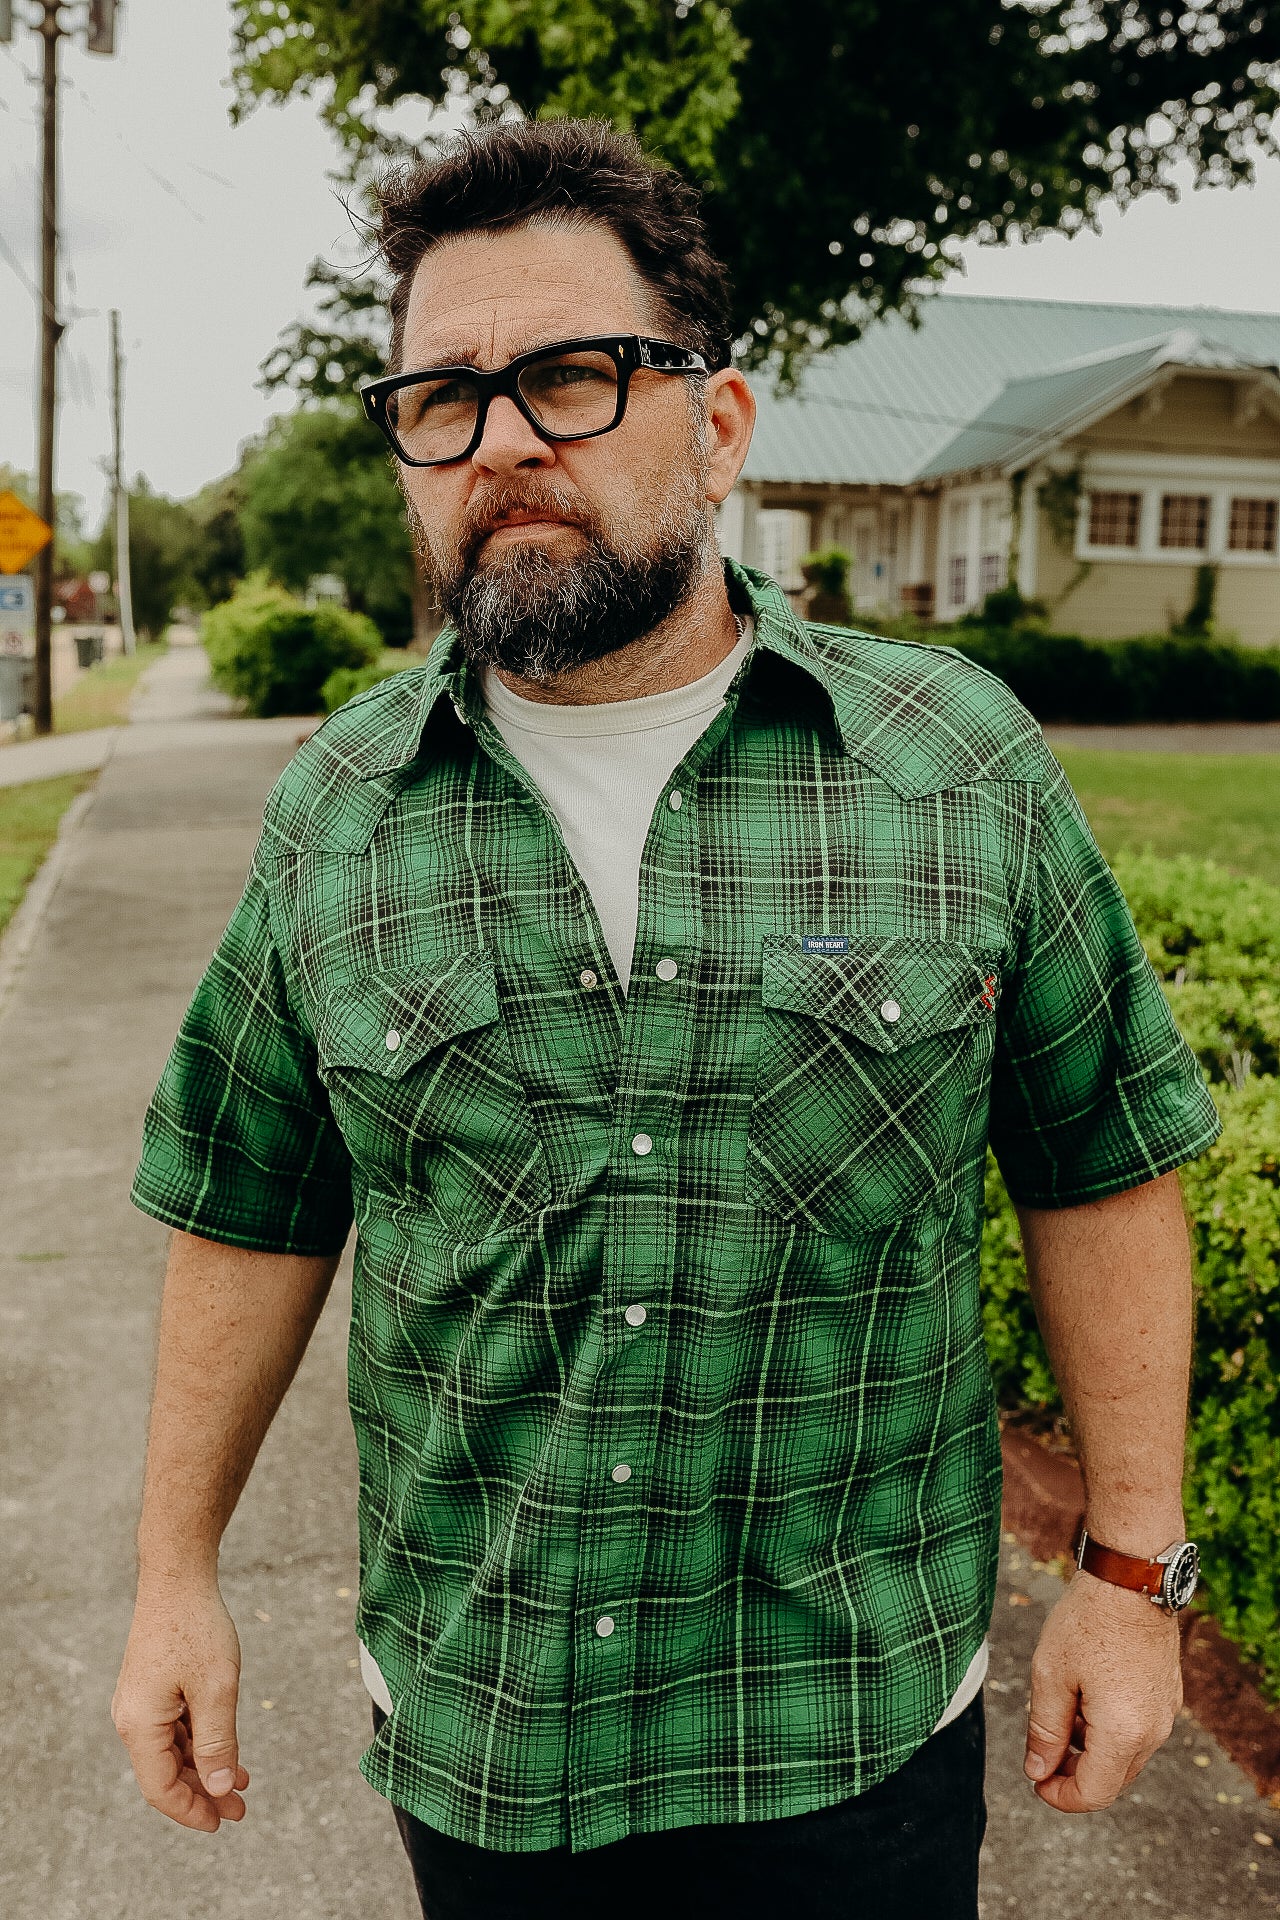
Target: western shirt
{"points": [[679, 1461]]}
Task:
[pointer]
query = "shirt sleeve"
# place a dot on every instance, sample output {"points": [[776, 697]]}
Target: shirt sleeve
{"points": [[239, 1143], [1094, 1089]]}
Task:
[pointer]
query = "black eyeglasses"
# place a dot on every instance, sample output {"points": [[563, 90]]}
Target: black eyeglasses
{"points": [[573, 390]]}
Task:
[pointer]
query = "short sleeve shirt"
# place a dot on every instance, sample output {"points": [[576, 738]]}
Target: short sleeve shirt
{"points": [[679, 1462]]}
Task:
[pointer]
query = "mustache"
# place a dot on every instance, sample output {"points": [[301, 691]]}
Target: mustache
{"points": [[539, 497]]}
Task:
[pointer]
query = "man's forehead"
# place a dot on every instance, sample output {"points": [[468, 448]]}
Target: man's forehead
{"points": [[480, 299]]}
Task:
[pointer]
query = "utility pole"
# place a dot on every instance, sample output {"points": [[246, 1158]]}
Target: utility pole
{"points": [[124, 588], [99, 38], [51, 31]]}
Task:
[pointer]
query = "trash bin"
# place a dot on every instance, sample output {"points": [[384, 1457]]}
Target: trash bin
{"points": [[17, 678], [88, 648]]}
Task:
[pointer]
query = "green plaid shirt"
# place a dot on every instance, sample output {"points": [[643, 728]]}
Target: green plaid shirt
{"points": [[679, 1472]]}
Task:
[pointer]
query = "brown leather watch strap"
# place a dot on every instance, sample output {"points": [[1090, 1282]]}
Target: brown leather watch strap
{"points": [[1121, 1569]]}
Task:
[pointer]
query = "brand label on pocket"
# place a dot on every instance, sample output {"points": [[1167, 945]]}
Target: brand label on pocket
{"points": [[825, 942]]}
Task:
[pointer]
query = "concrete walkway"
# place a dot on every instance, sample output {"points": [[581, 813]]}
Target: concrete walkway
{"points": [[1216, 736], [148, 878]]}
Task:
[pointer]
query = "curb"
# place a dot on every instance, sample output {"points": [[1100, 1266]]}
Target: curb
{"points": [[1043, 1506], [18, 937]]}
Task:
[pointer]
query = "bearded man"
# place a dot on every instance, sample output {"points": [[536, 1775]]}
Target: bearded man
{"points": [[646, 975]]}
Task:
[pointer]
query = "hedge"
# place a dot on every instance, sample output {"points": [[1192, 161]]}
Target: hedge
{"points": [[274, 653], [344, 683], [1215, 942], [1063, 678]]}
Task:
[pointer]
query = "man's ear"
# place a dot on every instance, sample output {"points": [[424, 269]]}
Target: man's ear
{"points": [[731, 418]]}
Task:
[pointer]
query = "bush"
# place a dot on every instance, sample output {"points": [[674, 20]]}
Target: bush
{"points": [[1215, 941], [346, 682], [1063, 678], [275, 654]]}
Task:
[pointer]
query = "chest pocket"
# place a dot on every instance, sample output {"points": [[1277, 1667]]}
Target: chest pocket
{"points": [[872, 1063], [424, 1088]]}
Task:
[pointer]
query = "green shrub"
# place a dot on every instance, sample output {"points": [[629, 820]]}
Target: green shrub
{"points": [[1062, 678], [346, 682], [275, 654], [1215, 941]]}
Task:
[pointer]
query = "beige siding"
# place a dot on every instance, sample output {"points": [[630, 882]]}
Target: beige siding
{"points": [[1192, 414], [1108, 600]]}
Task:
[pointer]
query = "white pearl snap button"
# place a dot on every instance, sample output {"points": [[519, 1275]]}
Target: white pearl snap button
{"points": [[587, 978], [620, 1473], [604, 1626], [393, 1041], [666, 969], [675, 800], [642, 1144], [635, 1316], [891, 1011]]}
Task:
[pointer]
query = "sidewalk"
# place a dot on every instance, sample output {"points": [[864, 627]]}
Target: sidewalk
{"points": [[149, 878]]}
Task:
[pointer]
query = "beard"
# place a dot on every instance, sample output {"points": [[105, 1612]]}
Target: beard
{"points": [[536, 614]]}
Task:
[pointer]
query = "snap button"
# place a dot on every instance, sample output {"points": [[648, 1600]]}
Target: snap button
{"points": [[620, 1473], [666, 969], [635, 1316], [641, 1144], [890, 1011], [604, 1626], [587, 978], [393, 1040], [675, 800]]}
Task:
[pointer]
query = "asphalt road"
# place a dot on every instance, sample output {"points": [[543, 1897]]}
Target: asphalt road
{"points": [[146, 881]]}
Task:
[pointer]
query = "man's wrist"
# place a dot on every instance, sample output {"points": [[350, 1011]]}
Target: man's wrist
{"points": [[1143, 1535]]}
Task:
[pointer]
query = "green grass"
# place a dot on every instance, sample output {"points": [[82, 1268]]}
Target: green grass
{"points": [[1217, 806], [101, 695], [29, 817]]}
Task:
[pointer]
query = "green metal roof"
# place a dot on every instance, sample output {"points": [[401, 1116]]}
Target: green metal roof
{"points": [[978, 379]]}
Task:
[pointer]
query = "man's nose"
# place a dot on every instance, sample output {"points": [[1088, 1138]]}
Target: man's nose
{"points": [[509, 443]]}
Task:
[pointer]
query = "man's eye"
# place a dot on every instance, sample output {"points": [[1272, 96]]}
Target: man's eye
{"points": [[566, 376], [451, 393]]}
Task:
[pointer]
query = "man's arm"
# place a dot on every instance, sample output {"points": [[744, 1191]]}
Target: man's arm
{"points": [[233, 1327], [1111, 1284]]}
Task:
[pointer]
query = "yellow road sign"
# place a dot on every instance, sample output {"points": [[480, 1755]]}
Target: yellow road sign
{"points": [[22, 533]]}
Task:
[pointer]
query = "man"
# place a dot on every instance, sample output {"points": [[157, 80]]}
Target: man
{"points": [[646, 975]]}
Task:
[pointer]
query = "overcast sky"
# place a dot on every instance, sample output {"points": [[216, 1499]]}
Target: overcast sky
{"points": [[201, 234]]}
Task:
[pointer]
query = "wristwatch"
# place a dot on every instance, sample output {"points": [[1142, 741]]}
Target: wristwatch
{"points": [[1169, 1581]]}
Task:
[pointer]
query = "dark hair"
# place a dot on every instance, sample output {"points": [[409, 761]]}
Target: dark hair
{"points": [[497, 178]]}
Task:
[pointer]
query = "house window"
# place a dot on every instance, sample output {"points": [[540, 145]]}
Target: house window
{"points": [[1252, 527], [783, 538], [958, 579], [1113, 519], [990, 572], [1184, 521]]}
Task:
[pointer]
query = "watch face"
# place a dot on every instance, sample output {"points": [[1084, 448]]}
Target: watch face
{"points": [[1181, 1577]]}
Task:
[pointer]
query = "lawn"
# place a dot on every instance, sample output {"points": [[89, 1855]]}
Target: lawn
{"points": [[29, 817], [100, 697], [1218, 806]]}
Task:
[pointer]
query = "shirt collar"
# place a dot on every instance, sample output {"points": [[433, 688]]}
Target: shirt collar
{"points": [[448, 675]]}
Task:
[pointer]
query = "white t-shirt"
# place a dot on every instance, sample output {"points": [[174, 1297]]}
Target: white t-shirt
{"points": [[602, 770]]}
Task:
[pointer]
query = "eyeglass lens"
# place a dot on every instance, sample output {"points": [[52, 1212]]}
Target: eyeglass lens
{"points": [[570, 394]]}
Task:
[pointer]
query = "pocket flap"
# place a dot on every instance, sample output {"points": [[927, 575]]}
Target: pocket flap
{"points": [[887, 993], [385, 1022]]}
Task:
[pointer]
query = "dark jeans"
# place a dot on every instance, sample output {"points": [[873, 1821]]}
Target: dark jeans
{"points": [[906, 1849]]}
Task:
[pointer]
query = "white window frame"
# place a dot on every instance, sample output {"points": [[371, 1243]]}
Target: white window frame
{"points": [[970, 500], [1152, 476]]}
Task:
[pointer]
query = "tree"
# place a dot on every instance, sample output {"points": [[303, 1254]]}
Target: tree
{"points": [[164, 551], [318, 497], [847, 146], [219, 562]]}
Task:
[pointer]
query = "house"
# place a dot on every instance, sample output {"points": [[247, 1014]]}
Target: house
{"points": [[1096, 456]]}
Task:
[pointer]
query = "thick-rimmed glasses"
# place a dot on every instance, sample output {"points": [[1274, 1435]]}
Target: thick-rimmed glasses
{"points": [[572, 390]]}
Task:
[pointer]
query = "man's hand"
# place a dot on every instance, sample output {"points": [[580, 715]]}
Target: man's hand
{"points": [[175, 1704], [1106, 1685]]}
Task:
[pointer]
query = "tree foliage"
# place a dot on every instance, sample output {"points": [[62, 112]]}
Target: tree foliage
{"points": [[164, 550], [317, 496], [847, 146]]}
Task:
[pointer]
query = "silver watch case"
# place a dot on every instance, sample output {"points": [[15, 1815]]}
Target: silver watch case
{"points": [[1181, 1563]]}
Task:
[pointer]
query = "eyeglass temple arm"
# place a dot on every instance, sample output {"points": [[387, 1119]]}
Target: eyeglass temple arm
{"points": [[663, 357]]}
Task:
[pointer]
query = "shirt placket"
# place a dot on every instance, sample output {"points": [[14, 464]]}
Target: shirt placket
{"points": [[640, 1262]]}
